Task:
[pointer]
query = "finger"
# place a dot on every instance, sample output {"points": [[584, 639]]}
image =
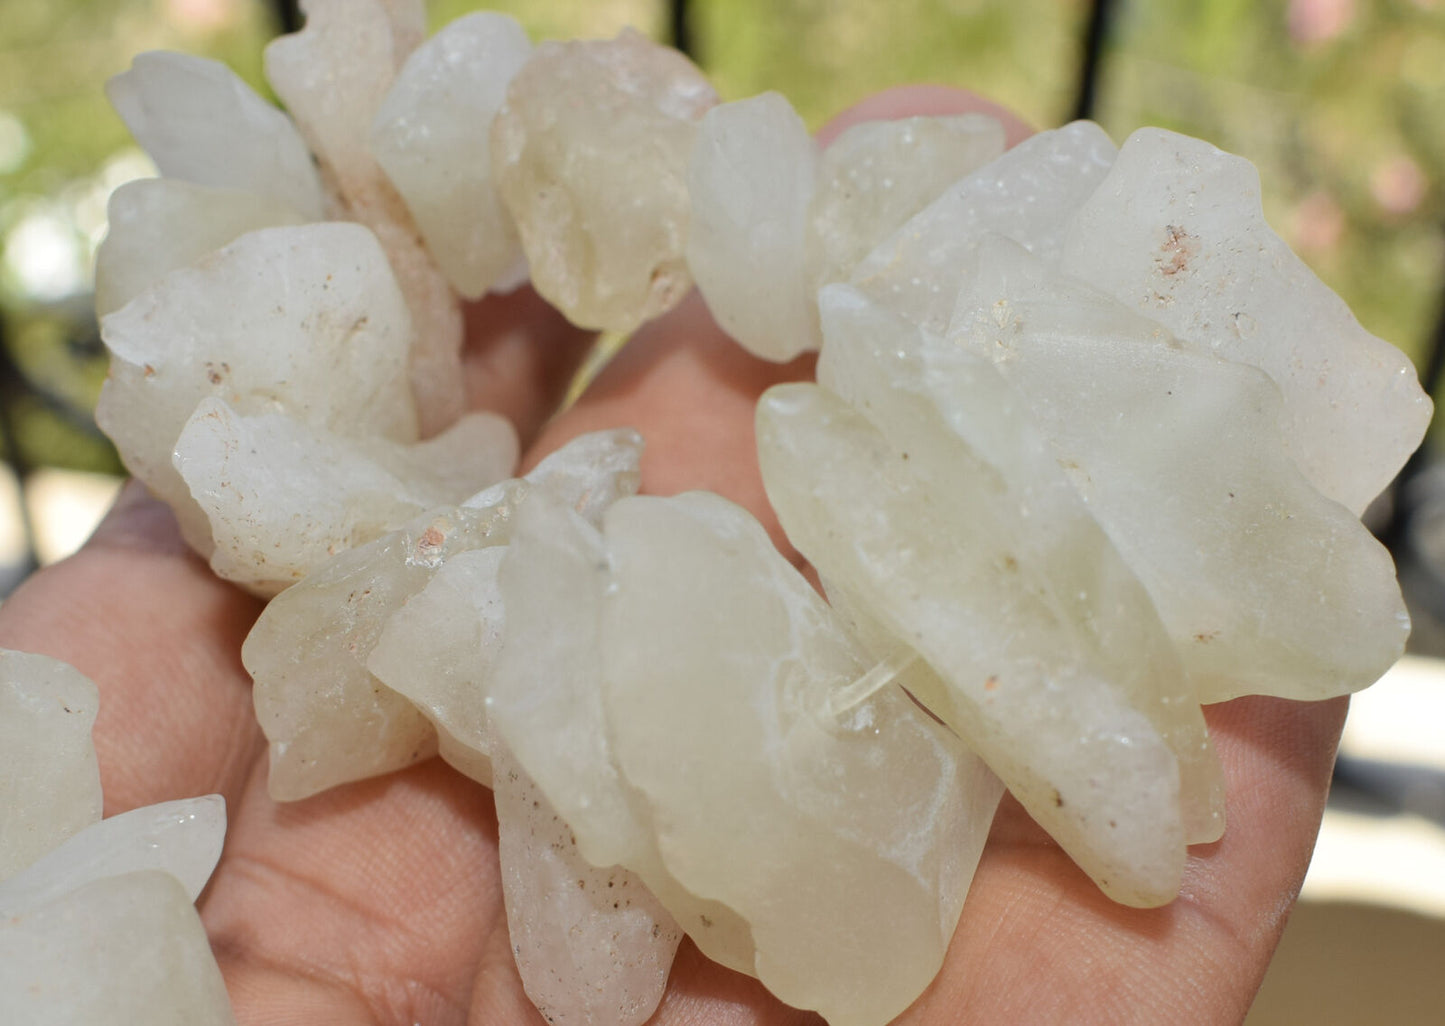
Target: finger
{"points": [[146, 619], [1038, 942], [375, 902], [932, 100], [520, 357]]}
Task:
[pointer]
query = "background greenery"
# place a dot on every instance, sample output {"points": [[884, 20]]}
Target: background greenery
{"points": [[1339, 103]]}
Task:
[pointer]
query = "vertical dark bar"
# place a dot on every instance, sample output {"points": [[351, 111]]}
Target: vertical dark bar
{"points": [[288, 15], [1395, 534], [681, 28], [12, 385], [1096, 36]]}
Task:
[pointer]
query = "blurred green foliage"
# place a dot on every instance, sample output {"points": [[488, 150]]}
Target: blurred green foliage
{"points": [[1339, 102]]}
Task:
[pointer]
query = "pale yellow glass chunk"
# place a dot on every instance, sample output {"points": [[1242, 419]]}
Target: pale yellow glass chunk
{"points": [[124, 949], [282, 497], [432, 134], [332, 76], [49, 779], [593, 945], [158, 225], [201, 123], [1055, 670], [750, 179], [844, 837], [590, 155], [545, 701], [1265, 585], [328, 719], [878, 174], [1176, 231], [1027, 194]]}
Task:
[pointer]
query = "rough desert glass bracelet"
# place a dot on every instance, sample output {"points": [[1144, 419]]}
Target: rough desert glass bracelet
{"points": [[1087, 447]]}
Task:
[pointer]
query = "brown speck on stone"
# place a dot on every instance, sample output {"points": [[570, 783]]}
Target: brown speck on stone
{"points": [[1058, 799], [1203, 637], [1178, 250], [991, 683]]}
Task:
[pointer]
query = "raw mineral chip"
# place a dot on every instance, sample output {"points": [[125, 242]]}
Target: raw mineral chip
{"points": [[124, 949], [750, 179], [845, 838], [437, 652], [878, 174], [1055, 669], [771, 220], [305, 320], [593, 945], [200, 123], [949, 411], [182, 838], [1177, 232], [332, 76], [49, 778], [158, 225], [545, 702], [1027, 194], [432, 136], [328, 719], [1265, 585], [283, 497], [590, 155]]}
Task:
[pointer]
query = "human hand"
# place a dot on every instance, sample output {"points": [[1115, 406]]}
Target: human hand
{"points": [[381, 901]]}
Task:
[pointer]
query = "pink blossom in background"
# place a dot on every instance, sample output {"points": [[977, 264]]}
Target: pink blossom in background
{"points": [[1318, 21], [1398, 185]]}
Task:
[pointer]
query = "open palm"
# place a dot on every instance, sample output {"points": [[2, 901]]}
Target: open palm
{"points": [[380, 902]]}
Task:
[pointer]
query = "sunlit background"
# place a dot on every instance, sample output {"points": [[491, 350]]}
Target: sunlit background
{"points": [[1341, 104]]}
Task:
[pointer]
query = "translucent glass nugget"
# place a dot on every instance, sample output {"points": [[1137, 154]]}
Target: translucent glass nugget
{"points": [[432, 135], [49, 779], [1176, 231], [772, 220], [96, 920], [333, 76], [328, 719], [590, 154], [731, 776], [1265, 585]]}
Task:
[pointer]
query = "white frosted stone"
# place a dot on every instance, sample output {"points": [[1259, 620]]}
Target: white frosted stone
{"points": [[750, 179], [200, 123], [432, 136], [305, 320], [158, 225], [1177, 232], [845, 838], [592, 944], [948, 410], [332, 77], [282, 497], [328, 719], [1266, 586], [49, 779], [545, 703], [878, 174], [1058, 700], [182, 838], [592, 471], [590, 155], [122, 950], [437, 651], [1027, 195]]}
